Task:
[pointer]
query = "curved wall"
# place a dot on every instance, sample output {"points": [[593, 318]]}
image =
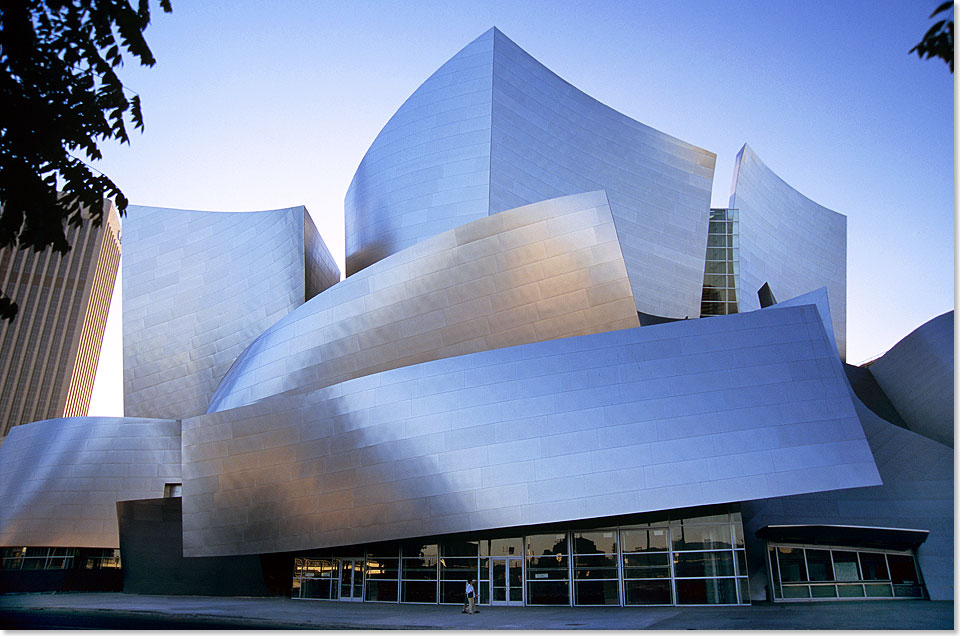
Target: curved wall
{"points": [[61, 479], [494, 129], [550, 139], [428, 170], [683, 414], [917, 376], [789, 241], [198, 287], [548, 270], [917, 493]]}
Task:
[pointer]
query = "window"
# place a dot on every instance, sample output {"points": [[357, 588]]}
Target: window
{"points": [[172, 490]]}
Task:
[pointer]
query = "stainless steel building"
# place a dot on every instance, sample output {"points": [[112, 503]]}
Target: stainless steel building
{"points": [[504, 387]]}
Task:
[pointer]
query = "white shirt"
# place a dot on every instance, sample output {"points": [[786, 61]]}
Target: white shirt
{"points": [[469, 590]]}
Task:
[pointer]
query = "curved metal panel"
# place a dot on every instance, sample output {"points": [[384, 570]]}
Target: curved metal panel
{"points": [[551, 139], [61, 479], [917, 492], [494, 129], [548, 270], [917, 376], [428, 170], [788, 241], [682, 414], [198, 287]]}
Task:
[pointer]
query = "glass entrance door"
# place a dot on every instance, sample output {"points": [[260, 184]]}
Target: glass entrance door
{"points": [[506, 581], [351, 579]]}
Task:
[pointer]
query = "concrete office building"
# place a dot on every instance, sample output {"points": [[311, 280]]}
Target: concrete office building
{"points": [[49, 353], [504, 387]]}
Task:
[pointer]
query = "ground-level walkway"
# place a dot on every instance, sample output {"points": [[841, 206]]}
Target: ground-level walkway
{"points": [[18, 611]]}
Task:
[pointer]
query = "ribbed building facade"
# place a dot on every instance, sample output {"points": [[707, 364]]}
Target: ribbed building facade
{"points": [[49, 352], [551, 368]]}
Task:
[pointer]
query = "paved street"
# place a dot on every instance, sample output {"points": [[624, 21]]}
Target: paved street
{"points": [[128, 611]]}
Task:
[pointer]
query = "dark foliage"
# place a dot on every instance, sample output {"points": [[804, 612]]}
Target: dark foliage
{"points": [[938, 42], [59, 98]]}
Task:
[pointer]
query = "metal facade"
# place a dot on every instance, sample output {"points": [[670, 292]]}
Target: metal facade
{"points": [[688, 413], [788, 241], [198, 287], [493, 129], [917, 376], [61, 479], [548, 270]]}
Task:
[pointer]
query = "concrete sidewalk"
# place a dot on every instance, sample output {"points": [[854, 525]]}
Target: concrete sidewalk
{"points": [[143, 612]]}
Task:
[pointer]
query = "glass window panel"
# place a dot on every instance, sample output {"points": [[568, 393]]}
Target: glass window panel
{"points": [[419, 550], [902, 569], [823, 591], [703, 564], [595, 573], [644, 540], [716, 267], [506, 547], [602, 541], [845, 566], [596, 593], [775, 572], [791, 565], [384, 550], [908, 591], [453, 592], [540, 544], [796, 591], [535, 571], [743, 585], [716, 240], [383, 568], [448, 564], [419, 592], [384, 591], [741, 562], [646, 566], [648, 593], [460, 548], [419, 568], [318, 588], [596, 561], [850, 590], [819, 567], [36, 552], [874, 567], [706, 591], [713, 309], [878, 589], [548, 593]]}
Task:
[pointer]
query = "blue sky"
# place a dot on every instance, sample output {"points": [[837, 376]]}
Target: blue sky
{"points": [[260, 105]]}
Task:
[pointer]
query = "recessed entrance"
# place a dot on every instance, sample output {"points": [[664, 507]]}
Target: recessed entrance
{"points": [[506, 581]]}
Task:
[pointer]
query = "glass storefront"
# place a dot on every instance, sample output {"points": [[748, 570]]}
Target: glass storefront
{"points": [[682, 561], [721, 276], [811, 573]]}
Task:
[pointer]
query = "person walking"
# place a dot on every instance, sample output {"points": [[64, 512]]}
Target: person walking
{"points": [[471, 597]]}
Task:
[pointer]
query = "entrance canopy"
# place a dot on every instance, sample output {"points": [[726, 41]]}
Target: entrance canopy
{"points": [[854, 536]]}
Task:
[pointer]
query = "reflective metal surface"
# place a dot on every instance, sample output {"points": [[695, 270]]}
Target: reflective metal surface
{"points": [[494, 129], [917, 374], [198, 287], [61, 479], [788, 241], [725, 409], [548, 270]]}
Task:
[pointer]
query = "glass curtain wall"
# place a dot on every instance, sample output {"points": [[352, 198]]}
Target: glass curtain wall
{"points": [[721, 278], [811, 573], [686, 561]]}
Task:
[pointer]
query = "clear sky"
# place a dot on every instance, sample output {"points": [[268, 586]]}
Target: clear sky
{"points": [[259, 105]]}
